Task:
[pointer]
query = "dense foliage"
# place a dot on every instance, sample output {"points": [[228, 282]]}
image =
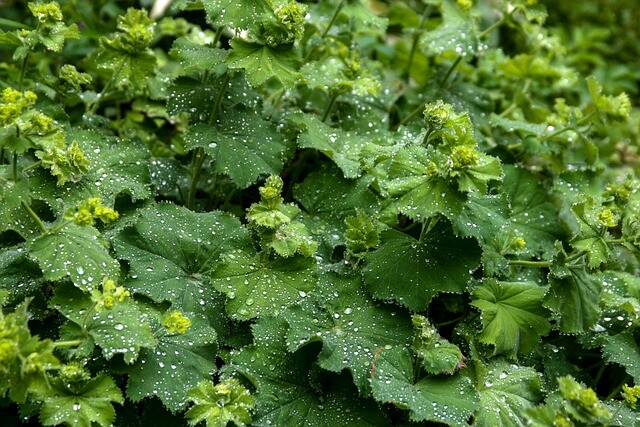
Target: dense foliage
{"points": [[329, 213]]}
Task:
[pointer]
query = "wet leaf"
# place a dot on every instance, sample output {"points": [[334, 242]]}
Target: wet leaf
{"points": [[411, 272]]}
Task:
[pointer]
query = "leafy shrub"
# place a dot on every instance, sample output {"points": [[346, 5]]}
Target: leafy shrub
{"points": [[343, 212]]}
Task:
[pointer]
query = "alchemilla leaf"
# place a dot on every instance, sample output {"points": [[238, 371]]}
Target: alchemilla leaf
{"points": [[411, 272], [513, 318], [256, 287]]}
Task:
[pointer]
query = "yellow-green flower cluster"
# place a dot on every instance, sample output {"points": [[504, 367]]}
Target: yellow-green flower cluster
{"points": [[464, 156], [292, 17], [608, 218], [438, 114], [92, 209], [583, 397], [73, 373], [46, 11], [13, 103], [176, 322], [631, 394], [465, 5], [109, 296], [136, 31], [73, 77]]}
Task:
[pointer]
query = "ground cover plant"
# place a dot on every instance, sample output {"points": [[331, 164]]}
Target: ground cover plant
{"points": [[329, 213]]}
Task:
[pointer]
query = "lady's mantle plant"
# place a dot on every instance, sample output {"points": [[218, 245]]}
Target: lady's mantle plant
{"points": [[342, 212]]}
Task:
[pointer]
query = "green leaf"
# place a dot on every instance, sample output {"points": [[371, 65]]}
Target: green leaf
{"points": [[20, 275], [436, 354], [262, 62], [242, 145], [255, 287], [533, 216], [179, 362], [591, 232], [411, 272], [13, 216], [91, 403], [329, 199], [123, 329], [624, 350], [417, 194], [446, 399], [74, 253], [574, 299], [237, 14], [227, 401], [350, 325], [513, 319], [195, 57], [340, 146], [115, 167], [506, 391], [284, 394], [172, 252]]}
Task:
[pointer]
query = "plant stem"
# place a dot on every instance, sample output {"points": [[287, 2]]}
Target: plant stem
{"points": [[13, 24], [527, 263], [410, 117], [200, 155], [216, 38], [61, 226], [450, 70], [333, 19], [325, 32], [23, 70], [93, 107], [330, 105], [35, 217], [416, 37], [70, 343], [14, 167], [514, 104], [576, 256]]}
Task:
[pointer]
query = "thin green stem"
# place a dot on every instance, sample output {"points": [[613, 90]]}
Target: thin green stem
{"points": [[489, 29], [576, 256], [14, 167], [200, 156], [416, 37], [35, 217], [31, 166], [218, 34], [615, 241], [330, 105], [450, 322], [70, 343], [527, 263], [23, 70], [333, 19], [410, 117], [514, 104], [85, 318], [450, 70], [311, 51], [93, 107]]}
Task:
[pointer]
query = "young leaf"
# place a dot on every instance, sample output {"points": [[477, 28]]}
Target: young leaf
{"points": [[436, 354], [445, 399], [350, 325], [513, 318], [255, 287], [574, 298], [75, 253], [262, 62], [227, 401], [81, 407], [412, 272]]}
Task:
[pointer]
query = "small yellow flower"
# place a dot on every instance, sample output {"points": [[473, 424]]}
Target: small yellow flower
{"points": [[175, 321], [631, 394]]}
